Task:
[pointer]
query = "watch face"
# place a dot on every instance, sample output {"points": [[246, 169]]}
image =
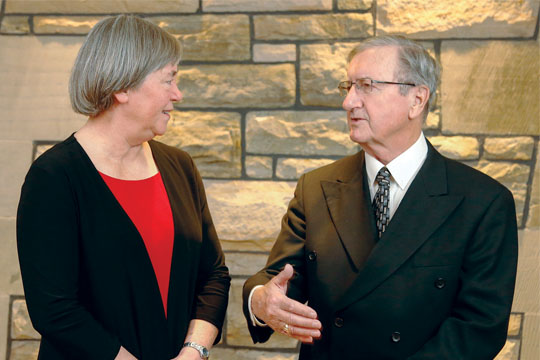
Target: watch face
{"points": [[205, 352]]}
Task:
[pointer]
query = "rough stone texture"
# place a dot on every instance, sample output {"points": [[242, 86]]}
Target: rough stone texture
{"points": [[212, 140], [24, 350], [15, 25], [514, 326], [533, 219], [209, 37], [274, 52], [17, 157], [64, 25], [510, 351], [433, 120], [298, 133], [245, 354], [247, 214], [491, 87], [457, 147], [457, 18], [259, 167], [274, 5], [354, 4], [245, 264], [226, 85], [21, 326], [34, 101], [10, 281], [514, 148], [530, 345], [100, 6], [294, 168], [237, 331], [4, 325], [313, 27]]}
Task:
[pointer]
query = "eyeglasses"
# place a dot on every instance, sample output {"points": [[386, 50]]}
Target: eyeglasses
{"points": [[364, 85]]}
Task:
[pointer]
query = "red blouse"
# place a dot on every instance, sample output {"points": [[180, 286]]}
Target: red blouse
{"points": [[147, 205]]}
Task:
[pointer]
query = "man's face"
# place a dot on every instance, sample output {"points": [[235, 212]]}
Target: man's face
{"points": [[379, 120]]}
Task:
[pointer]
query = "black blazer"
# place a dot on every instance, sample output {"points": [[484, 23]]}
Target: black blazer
{"points": [[89, 283], [438, 284]]}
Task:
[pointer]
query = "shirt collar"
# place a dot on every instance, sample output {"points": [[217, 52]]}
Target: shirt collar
{"points": [[404, 167]]}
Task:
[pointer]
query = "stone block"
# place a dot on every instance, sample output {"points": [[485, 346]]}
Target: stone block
{"points": [[237, 331], [222, 353], [433, 120], [255, 6], [514, 326], [4, 326], [100, 6], [232, 86], [34, 100], [458, 18], [212, 140], [10, 281], [313, 27], [354, 4], [457, 147], [293, 168], [533, 218], [274, 52], [245, 264], [513, 148], [21, 326], [530, 344], [259, 167], [15, 25], [510, 351], [15, 160], [527, 292], [247, 214], [24, 350], [209, 37], [487, 86], [78, 25], [299, 133]]}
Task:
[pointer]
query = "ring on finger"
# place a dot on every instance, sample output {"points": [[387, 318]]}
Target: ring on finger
{"points": [[286, 329]]}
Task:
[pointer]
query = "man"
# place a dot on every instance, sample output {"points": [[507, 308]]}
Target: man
{"points": [[399, 252]]}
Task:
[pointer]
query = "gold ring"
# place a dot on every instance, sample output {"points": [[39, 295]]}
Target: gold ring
{"points": [[286, 329]]}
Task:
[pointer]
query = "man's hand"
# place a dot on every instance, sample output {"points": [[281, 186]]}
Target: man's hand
{"points": [[271, 305]]}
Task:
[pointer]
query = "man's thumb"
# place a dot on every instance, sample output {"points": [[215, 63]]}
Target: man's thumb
{"points": [[284, 276]]}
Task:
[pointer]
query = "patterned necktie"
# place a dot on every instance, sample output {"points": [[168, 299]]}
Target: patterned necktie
{"points": [[380, 202]]}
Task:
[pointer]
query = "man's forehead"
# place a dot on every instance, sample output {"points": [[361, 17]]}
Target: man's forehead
{"points": [[378, 60]]}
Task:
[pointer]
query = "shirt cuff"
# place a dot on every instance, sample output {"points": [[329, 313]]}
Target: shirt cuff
{"points": [[254, 320]]}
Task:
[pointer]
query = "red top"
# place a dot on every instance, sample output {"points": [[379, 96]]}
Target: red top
{"points": [[147, 205]]}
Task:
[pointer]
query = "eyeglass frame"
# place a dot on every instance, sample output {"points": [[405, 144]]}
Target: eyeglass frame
{"points": [[344, 90]]}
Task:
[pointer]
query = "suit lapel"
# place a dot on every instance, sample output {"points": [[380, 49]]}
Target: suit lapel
{"points": [[424, 208]]}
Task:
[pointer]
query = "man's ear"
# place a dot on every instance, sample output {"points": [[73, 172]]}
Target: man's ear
{"points": [[420, 96], [121, 97]]}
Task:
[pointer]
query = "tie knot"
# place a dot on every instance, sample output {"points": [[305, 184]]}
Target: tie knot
{"points": [[383, 176]]}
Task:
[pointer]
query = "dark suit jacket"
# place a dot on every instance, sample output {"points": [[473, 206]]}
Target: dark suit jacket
{"points": [[88, 280], [437, 285]]}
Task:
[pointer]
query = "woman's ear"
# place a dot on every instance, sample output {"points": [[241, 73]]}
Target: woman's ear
{"points": [[420, 98], [121, 97]]}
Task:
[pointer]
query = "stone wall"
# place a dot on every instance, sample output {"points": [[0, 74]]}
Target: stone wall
{"points": [[261, 107]]}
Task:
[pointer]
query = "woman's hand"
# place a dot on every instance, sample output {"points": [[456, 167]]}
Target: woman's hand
{"points": [[123, 354]]}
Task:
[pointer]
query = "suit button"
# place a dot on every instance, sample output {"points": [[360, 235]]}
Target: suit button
{"points": [[312, 255], [338, 322], [440, 283], [396, 336]]}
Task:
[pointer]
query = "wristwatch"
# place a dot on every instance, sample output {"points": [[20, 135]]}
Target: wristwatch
{"points": [[203, 351]]}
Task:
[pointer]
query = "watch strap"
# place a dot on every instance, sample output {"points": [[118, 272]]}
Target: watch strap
{"points": [[203, 351]]}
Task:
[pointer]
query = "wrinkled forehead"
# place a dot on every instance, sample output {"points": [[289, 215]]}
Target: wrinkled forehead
{"points": [[378, 63]]}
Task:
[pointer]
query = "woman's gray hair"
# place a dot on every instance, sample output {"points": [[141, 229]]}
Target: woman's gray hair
{"points": [[118, 53], [415, 64]]}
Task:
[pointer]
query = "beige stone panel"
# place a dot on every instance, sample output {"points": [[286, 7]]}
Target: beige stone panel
{"points": [[245, 264], [15, 25], [313, 27], [294, 168], [514, 326], [21, 326], [24, 350], [513, 148], [237, 331], [354, 4], [433, 120], [100, 6], [510, 351], [259, 167], [64, 25], [274, 52], [533, 218], [4, 317], [457, 18], [10, 281], [491, 87], [234, 86], [457, 147], [299, 133], [248, 354], [15, 159], [527, 292], [34, 100], [249, 211], [530, 345], [274, 5], [209, 37], [212, 140]]}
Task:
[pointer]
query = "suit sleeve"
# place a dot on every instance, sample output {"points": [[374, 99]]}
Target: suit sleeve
{"points": [[47, 241], [476, 329], [288, 249]]}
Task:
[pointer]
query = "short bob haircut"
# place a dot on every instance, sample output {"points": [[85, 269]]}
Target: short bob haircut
{"points": [[118, 54], [415, 65]]}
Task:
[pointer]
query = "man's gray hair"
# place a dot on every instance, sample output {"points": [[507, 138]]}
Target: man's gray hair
{"points": [[117, 54], [415, 64]]}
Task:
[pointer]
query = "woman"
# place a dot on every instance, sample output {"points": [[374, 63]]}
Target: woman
{"points": [[118, 253]]}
